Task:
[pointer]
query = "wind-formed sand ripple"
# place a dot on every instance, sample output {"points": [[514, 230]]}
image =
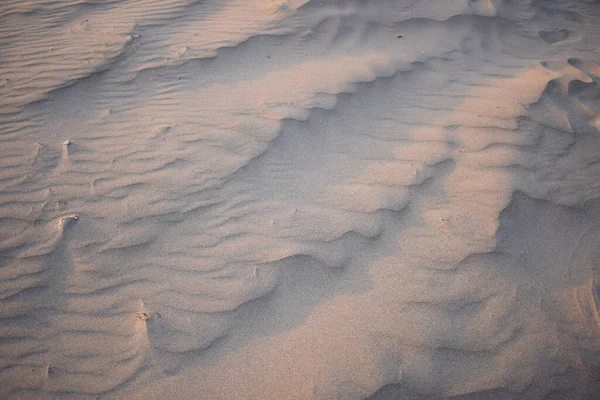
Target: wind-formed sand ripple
{"points": [[299, 199]]}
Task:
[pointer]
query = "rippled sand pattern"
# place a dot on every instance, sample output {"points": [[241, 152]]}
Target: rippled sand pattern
{"points": [[301, 199]]}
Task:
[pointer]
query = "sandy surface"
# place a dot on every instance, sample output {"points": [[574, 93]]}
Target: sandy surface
{"points": [[301, 199]]}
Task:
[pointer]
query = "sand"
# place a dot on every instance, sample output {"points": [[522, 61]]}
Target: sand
{"points": [[301, 199]]}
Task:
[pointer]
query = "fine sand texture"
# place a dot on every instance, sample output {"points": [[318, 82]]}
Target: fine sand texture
{"points": [[300, 199]]}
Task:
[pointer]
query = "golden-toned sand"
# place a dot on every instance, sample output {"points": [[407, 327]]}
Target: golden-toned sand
{"points": [[302, 199]]}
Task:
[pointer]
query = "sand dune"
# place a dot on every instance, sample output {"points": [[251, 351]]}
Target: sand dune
{"points": [[300, 199]]}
